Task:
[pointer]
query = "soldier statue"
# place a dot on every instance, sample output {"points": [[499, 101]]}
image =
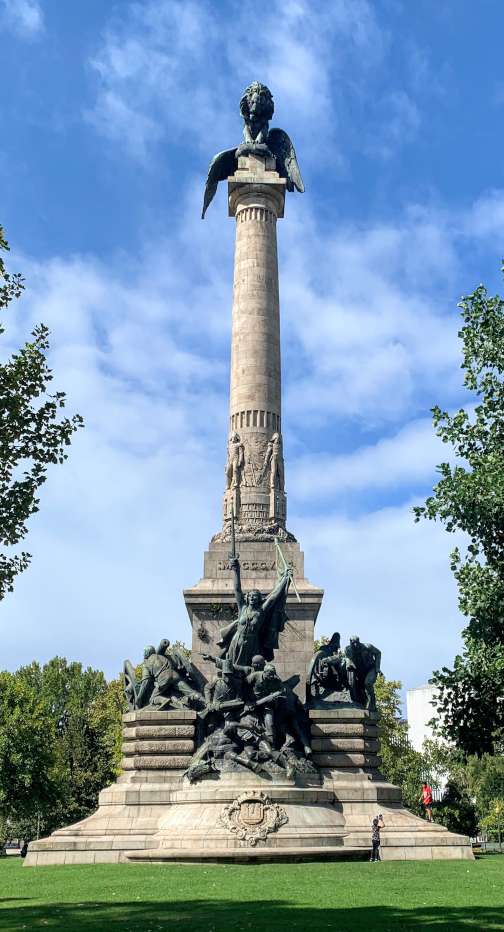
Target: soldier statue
{"points": [[168, 680]]}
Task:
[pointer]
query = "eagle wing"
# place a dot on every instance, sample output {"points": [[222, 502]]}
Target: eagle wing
{"points": [[221, 166], [281, 146]]}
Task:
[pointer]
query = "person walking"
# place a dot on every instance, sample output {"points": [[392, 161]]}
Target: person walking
{"points": [[426, 799], [376, 827]]}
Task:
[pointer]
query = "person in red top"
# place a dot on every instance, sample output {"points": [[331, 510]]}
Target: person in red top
{"points": [[426, 799]]}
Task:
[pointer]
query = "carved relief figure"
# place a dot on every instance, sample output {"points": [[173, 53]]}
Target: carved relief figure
{"points": [[235, 461], [274, 463]]}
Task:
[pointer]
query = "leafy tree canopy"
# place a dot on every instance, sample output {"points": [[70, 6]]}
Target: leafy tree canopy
{"points": [[60, 743], [401, 764], [28, 751], [469, 497], [32, 435]]}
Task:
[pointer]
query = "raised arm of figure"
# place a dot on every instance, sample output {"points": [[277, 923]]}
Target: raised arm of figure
{"points": [[240, 599], [281, 587], [377, 655]]}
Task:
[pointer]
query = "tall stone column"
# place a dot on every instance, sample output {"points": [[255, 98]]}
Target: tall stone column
{"points": [[255, 470], [255, 475]]}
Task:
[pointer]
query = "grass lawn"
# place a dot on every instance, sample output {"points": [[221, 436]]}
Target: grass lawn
{"points": [[346, 897]]}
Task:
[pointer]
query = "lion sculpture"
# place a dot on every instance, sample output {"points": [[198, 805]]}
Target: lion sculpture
{"points": [[256, 108]]}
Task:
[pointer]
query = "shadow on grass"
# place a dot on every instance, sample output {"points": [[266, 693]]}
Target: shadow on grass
{"points": [[259, 916]]}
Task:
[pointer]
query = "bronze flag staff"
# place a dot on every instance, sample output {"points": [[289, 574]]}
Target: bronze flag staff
{"points": [[284, 561]]}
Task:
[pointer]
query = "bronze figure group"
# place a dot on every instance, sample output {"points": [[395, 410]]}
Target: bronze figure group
{"points": [[344, 675]]}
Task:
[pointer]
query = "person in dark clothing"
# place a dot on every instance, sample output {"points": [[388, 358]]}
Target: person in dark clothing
{"points": [[376, 827], [24, 849]]}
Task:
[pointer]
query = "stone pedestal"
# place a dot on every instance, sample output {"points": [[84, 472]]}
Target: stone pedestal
{"points": [[345, 743], [152, 813]]}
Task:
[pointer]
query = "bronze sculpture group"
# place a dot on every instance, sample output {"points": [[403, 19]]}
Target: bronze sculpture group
{"points": [[248, 717], [344, 676]]}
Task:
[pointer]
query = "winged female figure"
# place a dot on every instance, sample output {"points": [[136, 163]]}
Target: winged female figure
{"points": [[260, 621]]}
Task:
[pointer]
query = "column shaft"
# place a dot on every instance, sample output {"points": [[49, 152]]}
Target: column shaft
{"points": [[255, 470]]}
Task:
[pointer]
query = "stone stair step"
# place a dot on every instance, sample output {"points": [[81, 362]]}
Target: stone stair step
{"points": [[345, 745], [160, 746], [166, 762]]}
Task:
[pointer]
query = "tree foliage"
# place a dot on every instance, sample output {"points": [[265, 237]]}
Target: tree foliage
{"points": [[401, 764], [469, 497], [86, 715], [319, 642], [32, 434], [28, 756], [60, 743], [493, 822], [456, 811]]}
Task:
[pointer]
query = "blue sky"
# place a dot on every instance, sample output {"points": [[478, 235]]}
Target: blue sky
{"points": [[111, 113]]}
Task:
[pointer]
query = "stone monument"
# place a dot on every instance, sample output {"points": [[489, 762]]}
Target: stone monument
{"points": [[256, 748], [258, 173]]}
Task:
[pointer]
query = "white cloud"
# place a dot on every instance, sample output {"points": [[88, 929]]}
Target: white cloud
{"points": [[115, 540], [393, 462], [24, 17], [152, 55], [363, 310], [398, 121], [486, 219], [387, 580]]}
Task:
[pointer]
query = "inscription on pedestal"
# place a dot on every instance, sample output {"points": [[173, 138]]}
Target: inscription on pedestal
{"points": [[249, 566]]}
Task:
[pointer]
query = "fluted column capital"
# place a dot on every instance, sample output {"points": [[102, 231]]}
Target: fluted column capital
{"points": [[255, 183]]}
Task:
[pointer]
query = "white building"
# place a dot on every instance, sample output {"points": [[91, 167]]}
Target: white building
{"points": [[419, 711]]}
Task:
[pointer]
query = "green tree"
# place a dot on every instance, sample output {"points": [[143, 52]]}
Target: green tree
{"points": [[493, 822], [28, 753], [469, 497], [319, 642], [456, 811], [402, 765], [484, 780], [86, 716], [32, 435]]}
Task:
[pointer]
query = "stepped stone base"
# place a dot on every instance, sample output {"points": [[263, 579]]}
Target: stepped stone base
{"points": [[153, 814]]}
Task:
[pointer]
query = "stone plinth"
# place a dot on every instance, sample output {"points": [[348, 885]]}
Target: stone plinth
{"points": [[152, 813], [221, 820], [157, 749], [346, 744]]}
